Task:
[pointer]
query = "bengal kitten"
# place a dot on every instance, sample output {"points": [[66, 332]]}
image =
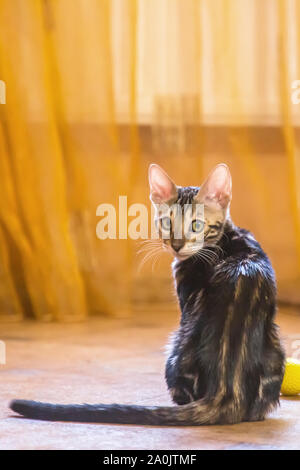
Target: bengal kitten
{"points": [[226, 363]]}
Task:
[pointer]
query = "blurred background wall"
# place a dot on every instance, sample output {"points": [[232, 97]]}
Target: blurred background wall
{"points": [[98, 89]]}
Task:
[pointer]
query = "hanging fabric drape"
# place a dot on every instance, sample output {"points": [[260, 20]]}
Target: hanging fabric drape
{"points": [[95, 91]]}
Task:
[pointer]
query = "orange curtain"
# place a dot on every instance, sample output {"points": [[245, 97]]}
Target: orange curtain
{"points": [[97, 89]]}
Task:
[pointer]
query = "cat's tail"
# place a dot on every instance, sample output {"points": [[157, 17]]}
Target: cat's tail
{"points": [[193, 414]]}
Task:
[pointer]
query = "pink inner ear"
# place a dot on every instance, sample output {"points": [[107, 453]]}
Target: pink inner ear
{"points": [[217, 187], [162, 187]]}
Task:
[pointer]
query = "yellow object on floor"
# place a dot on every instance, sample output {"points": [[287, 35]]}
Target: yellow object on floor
{"points": [[291, 379]]}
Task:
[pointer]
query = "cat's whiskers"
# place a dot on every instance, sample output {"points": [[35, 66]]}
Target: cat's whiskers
{"points": [[147, 244], [203, 255], [146, 258], [217, 247], [211, 254], [152, 249], [149, 241]]}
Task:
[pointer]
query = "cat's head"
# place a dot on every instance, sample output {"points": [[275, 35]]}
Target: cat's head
{"points": [[190, 218]]}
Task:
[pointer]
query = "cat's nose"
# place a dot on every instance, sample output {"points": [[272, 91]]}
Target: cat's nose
{"points": [[177, 245]]}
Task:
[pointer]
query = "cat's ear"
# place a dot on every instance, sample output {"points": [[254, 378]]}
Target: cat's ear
{"points": [[162, 188], [216, 190]]}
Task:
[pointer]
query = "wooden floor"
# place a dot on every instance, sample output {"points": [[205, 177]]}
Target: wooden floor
{"points": [[113, 360]]}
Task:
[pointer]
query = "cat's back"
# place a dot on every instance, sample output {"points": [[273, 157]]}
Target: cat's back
{"points": [[243, 252]]}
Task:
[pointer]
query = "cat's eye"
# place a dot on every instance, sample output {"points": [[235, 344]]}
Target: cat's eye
{"points": [[197, 225], [165, 223]]}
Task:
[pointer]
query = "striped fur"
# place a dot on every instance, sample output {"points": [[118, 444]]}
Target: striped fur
{"points": [[227, 350]]}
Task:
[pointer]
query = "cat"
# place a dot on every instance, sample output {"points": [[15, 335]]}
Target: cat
{"points": [[226, 363]]}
